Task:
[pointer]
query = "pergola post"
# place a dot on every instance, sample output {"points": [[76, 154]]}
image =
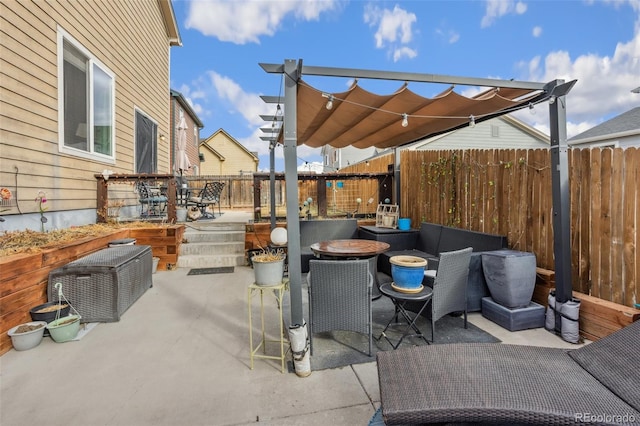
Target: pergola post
{"points": [[291, 77], [561, 202]]}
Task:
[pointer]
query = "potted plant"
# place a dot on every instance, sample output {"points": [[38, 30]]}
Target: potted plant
{"points": [[28, 335], [268, 266], [48, 312], [65, 328], [407, 273]]}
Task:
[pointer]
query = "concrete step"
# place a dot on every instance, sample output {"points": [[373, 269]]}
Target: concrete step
{"points": [[209, 248], [206, 261], [212, 244], [214, 236], [213, 227]]}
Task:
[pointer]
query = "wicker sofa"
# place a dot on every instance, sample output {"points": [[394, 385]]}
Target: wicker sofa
{"points": [[434, 239], [513, 384]]}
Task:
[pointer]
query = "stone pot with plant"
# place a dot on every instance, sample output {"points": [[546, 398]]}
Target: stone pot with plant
{"points": [[268, 266]]}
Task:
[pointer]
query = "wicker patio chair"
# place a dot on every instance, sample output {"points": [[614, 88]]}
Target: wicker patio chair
{"points": [[450, 286], [493, 383], [340, 297]]}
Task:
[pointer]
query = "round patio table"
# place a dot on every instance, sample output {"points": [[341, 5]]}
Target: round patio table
{"points": [[353, 249]]}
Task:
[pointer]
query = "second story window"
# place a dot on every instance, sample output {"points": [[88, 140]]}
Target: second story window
{"points": [[87, 99]]}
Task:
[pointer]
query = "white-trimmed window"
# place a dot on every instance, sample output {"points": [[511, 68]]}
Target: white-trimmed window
{"points": [[86, 102]]}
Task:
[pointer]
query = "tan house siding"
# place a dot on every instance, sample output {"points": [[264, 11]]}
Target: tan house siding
{"points": [[130, 38], [224, 155]]}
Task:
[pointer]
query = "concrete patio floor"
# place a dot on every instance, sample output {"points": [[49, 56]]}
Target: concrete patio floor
{"points": [[180, 356]]}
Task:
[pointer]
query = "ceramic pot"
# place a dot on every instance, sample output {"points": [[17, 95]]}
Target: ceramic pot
{"points": [[65, 328], [407, 272], [30, 338], [404, 223]]}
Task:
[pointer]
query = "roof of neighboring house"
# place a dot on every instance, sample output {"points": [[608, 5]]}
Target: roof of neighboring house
{"points": [[231, 138], [204, 143], [185, 105], [522, 126], [627, 123]]}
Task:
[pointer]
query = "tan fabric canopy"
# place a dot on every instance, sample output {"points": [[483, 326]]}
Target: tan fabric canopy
{"points": [[363, 119]]}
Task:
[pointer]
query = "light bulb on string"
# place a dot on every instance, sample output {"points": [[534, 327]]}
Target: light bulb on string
{"points": [[472, 121], [330, 102], [405, 120], [330, 98], [532, 109]]}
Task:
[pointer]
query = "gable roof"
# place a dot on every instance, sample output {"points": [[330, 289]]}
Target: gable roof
{"points": [[509, 120], [231, 138], [625, 124], [185, 105], [204, 143]]}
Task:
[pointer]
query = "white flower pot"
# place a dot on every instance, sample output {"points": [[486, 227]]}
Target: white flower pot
{"points": [[27, 339]]}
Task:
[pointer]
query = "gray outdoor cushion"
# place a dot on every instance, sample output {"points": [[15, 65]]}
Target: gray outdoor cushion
{"points": [[493, 383], [615, 362]]}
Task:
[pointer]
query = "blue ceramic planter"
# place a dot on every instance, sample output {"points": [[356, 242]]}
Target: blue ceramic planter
{"points": [[407, 271]]}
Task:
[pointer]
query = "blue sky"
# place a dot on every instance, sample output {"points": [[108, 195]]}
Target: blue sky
{"points": [[217, 71]]}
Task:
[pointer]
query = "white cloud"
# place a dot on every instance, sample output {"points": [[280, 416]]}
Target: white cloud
{"points": [[450, 36], [190, 96], [394, 29], [242, 21], [404, 52], [249, 105], [537, 31], [603, 88], [499, 8]]}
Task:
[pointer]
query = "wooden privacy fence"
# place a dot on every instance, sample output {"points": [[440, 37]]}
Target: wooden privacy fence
{"points": [[237, 191], [509, 192], [506, 192]]}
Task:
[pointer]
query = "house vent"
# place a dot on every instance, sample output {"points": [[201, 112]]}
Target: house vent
{"points": [[495, 131]]}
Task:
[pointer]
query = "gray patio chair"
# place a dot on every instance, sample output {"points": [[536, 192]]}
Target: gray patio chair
{"points": [[450, 286], [493, 383], [340, 297]]}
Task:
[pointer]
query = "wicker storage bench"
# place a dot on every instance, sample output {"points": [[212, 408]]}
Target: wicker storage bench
{"points": [[103, 285]]}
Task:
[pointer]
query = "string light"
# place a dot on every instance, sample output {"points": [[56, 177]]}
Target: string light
{"points": [[405, 117], [330, 101]]}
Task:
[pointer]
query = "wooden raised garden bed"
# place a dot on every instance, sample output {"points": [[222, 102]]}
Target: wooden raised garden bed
{"points": [[24, 276]]}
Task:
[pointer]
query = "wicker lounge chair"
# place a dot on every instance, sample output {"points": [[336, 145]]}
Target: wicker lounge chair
{"points": [[512, 384]]}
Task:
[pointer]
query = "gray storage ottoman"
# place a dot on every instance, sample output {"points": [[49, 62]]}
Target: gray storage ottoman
{"points": [[103, 285]]}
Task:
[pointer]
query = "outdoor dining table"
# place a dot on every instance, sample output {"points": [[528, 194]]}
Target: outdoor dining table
{"points": [[353, 249]]}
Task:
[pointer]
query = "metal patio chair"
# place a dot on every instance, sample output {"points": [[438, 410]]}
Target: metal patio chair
{"points": [[208, 196], [151, 203]]}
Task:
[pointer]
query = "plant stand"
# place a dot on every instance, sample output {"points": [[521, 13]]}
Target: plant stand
{"points": [[278, 292]]}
